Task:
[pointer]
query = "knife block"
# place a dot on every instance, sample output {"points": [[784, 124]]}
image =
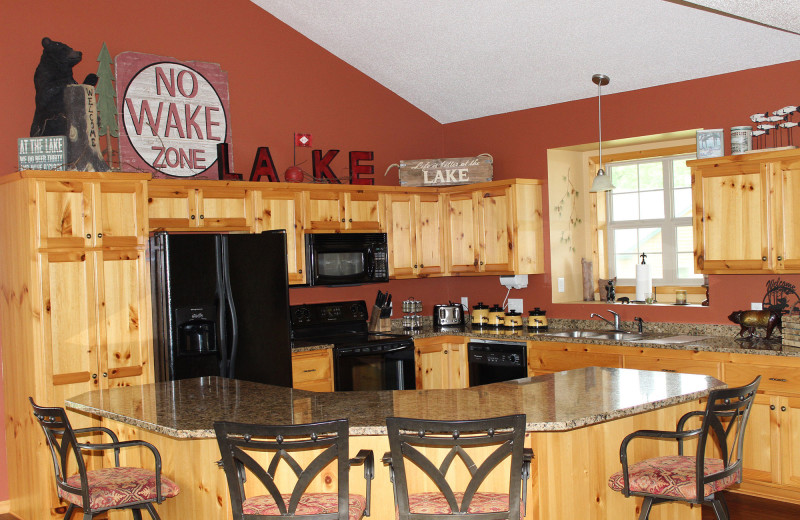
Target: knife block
{"points": [[378, 324]]}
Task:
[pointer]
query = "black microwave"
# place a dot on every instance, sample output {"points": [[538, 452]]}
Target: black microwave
{"points": [[336, 259]]}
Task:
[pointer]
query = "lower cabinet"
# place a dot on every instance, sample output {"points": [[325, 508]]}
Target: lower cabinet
{"points": [[313, 370], [441, 362], [546, 357]]}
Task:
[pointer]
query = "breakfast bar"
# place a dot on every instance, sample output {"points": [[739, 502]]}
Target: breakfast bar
{"points": [[576, 420]]}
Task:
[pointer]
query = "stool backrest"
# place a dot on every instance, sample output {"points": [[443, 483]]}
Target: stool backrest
{"points": [[239, 442], [503, 437], [726, 415], [62, 443]]}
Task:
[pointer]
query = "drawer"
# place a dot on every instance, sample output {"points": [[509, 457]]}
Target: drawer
{"points": [[774, 379], [311, 366], [556, 361], [686, 366], [319, 385]]}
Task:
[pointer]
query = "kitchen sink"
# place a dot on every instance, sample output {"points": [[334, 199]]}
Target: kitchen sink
{"points": [[598, 334]]}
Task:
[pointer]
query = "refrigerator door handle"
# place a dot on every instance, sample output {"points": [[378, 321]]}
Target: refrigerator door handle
{"points": [[231, 306], [222, 332]]}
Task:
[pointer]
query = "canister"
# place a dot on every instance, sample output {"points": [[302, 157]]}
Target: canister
{"points": [[741, 139], [512, 320], [496, 316], [537, 321], [480, 314], [680, 297]]}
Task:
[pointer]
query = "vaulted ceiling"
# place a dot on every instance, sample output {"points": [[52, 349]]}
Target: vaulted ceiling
{"points": [[463, 59]]}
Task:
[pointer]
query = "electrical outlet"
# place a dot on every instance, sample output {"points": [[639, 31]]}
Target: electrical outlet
{"points": [[756, 306], [515, 304], [561, 285], [465, 302]]}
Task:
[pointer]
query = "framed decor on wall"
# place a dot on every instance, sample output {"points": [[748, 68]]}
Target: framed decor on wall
{"points": [[710, 143]]}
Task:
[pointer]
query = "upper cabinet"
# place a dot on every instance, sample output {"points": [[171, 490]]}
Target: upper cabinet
{"points": [[337, 208], [188, 205], [283, 209], [495, 228], [416, 230], [745, 215]]}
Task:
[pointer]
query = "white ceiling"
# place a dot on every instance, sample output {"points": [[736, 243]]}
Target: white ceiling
{"points": [[463, 59]]}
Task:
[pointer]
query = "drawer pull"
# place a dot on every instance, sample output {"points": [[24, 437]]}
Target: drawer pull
{"points": [[667, 370], [310, 370], [772, 407], [779, 379], [783, 408]]}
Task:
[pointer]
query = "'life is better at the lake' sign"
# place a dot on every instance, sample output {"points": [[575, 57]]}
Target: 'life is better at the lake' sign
{"points": [[446, 172], [173, 115]]}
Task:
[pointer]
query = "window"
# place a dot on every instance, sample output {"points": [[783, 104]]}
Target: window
{"points": [[650, 211]]}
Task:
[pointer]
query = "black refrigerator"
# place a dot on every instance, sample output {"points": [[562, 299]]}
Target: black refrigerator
{"points": [[221, 306]]}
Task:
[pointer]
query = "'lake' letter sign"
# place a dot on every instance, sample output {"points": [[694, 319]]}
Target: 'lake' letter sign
{"points": [[172, 115]]}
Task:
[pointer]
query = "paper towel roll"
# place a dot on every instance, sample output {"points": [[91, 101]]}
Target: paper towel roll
{"points": [[644, 282]]}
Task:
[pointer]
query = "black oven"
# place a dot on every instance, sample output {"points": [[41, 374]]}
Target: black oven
{"points": [[492, 361], [385, 366], [362, 360], [346, 258]]}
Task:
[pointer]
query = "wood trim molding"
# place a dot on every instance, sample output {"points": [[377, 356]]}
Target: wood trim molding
{"points": [[646, 154]]}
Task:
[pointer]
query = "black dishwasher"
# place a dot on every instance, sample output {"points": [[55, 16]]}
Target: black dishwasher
{"points": [[492, 361]]}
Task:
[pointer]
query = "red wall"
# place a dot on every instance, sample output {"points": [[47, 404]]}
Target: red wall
{"points": [[281, 82]]}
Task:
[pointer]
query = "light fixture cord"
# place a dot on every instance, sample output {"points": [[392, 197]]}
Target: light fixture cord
{"points": [[600, 125]]}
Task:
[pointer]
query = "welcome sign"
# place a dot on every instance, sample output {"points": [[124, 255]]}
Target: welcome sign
{"points": [[172, 114]]}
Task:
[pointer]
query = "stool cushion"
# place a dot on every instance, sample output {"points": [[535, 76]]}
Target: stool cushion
{"points": [[672, 476], [310, 504], [117, 487], [434, 502]]}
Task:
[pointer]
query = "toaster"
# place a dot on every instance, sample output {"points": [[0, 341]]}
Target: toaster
{"points": [[448, 315]]}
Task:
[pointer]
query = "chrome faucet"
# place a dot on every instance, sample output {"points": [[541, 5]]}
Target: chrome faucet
{"points": [[614, 324]]}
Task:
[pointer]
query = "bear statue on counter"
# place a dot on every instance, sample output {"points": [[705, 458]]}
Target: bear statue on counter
{"points": [[749, 320], [52, 76]]}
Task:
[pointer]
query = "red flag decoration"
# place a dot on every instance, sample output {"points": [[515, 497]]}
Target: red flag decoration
{"points": [[303, 140]]}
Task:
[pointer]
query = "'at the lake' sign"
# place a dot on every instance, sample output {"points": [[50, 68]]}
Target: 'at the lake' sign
{"points": [[173, 115], [446, 172]]}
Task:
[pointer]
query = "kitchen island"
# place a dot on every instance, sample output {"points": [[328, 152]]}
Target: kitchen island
{"points": [[575, 422]]}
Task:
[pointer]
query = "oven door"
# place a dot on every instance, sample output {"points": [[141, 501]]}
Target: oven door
{"points": [[374, 367]]}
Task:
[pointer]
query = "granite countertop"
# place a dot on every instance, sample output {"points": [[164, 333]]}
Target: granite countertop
{"points": [[553, 402]]}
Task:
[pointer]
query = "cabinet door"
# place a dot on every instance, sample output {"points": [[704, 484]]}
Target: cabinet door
{"points": [[323, 210], [69, 326], [225, 207], [171, 207], [762, 441], [313, 371], [430, 232], [65, 218], [432, 367], [400, 219], [462, 226], [120, 213], [283, 210], [123, 317], [790, 440], [494, 225], [787, 220], [363, 211], [730, 219]]}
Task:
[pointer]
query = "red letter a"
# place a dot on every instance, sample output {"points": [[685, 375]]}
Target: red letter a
{"points": [[263, 166]]}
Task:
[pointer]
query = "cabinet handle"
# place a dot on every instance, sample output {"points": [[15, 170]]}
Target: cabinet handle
{"points": [[667, 370], [481, 262], [445, 351], [105, 374], [192, 217], [99, 235], [202, 216], [415, 266], [88, 235], [351, 220], [299, 271], [763, 258], [783, 408], [780, 258], [342, 220], [779, 379], [772, 407], [94, 376], [310, 370]]}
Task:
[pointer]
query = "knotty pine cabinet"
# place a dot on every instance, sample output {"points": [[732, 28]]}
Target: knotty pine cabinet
{"points": [[746, 218], [340, 208], [441, 362], [283, 209], [313, 370], [174, 205], [416, 231], [495, 228], [75, 313]]}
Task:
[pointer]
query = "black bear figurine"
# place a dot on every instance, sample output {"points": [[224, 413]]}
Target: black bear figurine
{"points": [[52, 75]]}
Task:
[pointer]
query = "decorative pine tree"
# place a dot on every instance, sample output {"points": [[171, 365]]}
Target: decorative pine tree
{"points": [[106, 102]]}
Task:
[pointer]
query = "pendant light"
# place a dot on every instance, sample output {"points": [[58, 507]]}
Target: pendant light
{"points": [[602, 182]]}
